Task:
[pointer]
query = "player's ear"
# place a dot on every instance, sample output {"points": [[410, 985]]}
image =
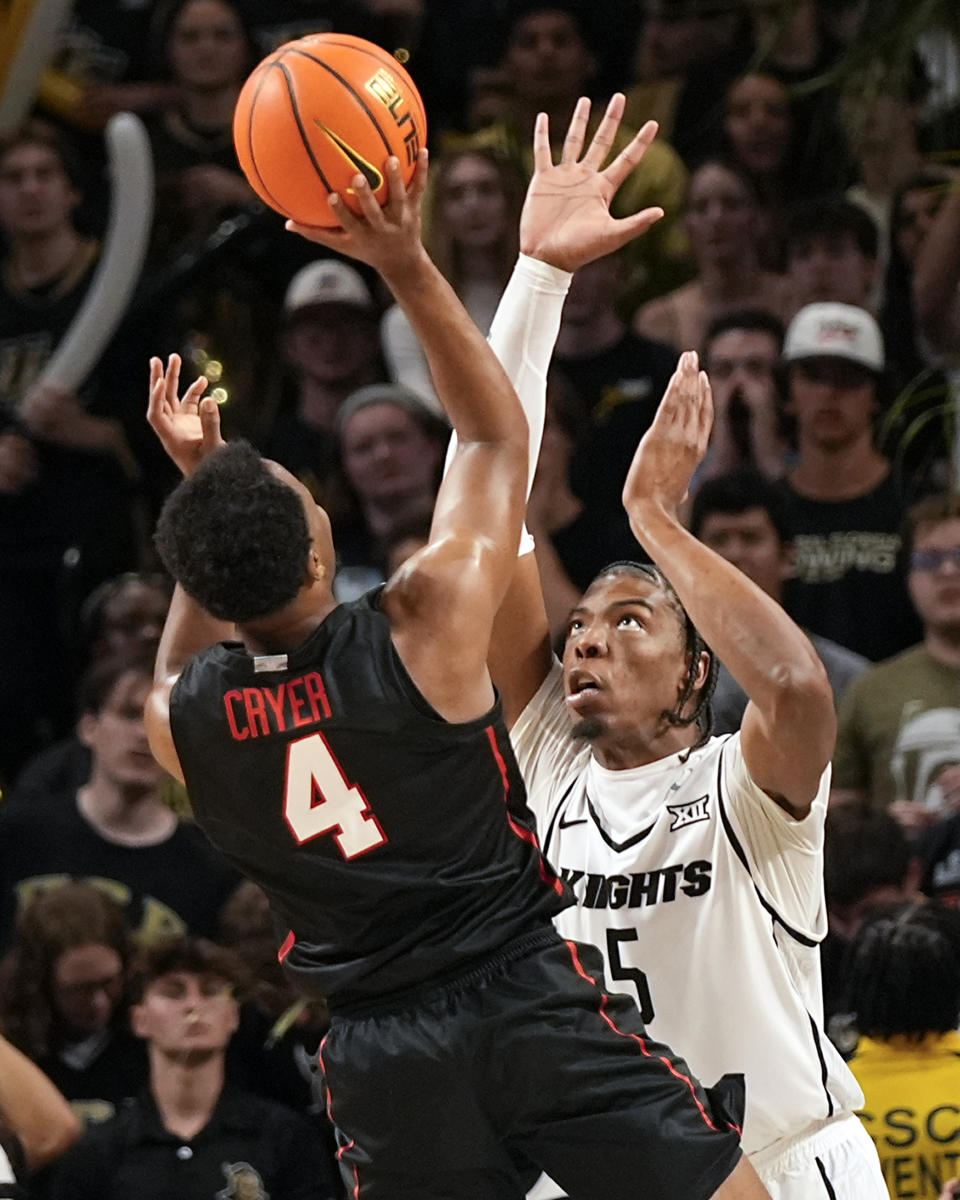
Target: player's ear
{"points": [[316, 569], [703, 670]]}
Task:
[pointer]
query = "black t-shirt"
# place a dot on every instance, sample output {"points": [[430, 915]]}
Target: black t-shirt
{"points": [[939, 850], [250, 1147], [179, 885], [849, 583], [620, 388], [97, 1084], [394, 845], [593, 540]]}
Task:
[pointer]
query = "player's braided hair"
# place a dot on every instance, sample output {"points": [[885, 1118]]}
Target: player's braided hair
{"points": [[694, 646]]}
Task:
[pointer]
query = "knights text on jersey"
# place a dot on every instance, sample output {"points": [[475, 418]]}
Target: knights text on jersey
{"points": [[706, 899], [395, 845]]}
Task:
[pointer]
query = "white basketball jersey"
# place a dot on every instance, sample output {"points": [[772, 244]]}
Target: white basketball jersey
{"points": [[706, 899]]}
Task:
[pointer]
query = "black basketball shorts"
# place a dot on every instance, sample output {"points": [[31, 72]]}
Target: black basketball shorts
{"points": [[438, 1095]]}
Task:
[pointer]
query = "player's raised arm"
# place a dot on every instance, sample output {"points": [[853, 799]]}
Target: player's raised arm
{"points": [[789, 727], [565, 224], [441, 606], [188, 427]]}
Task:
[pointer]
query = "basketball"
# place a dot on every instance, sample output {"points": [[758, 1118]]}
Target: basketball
{"points": [[316, 112]]}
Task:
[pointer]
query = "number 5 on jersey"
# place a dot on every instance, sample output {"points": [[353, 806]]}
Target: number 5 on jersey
{"points": [[619, 970], [318, 799]]}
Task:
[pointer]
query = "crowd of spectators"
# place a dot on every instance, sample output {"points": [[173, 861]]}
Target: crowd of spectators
{"points": [[810, 252]]}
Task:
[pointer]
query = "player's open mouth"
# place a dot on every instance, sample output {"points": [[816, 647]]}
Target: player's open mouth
{"points": [[580, 689]]}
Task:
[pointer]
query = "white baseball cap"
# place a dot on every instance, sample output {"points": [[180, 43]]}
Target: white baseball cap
{"points": [[835, 331], [326, 281]]}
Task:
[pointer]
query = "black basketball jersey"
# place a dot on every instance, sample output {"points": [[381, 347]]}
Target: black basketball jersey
{"points": [[394, 845]]}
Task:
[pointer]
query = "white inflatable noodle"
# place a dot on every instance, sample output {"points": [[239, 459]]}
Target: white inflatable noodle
{"points": [[34, 52], [124, 248]]}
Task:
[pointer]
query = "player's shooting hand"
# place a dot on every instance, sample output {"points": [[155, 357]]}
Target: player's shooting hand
{"points": [[674, 445], [386, 238], [188, 427], [566, 217]]}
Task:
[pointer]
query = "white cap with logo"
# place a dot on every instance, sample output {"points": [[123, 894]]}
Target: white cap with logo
{"points": [[326, 281], [835, 331]]}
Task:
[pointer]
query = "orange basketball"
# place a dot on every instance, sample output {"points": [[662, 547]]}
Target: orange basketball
{"points": [[320, 110]]}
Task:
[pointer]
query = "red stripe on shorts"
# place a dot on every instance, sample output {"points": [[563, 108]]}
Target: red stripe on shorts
{"points": [[604, 1000], [341, 1151]]}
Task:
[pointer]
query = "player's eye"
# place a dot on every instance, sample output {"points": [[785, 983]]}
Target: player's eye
{"points": [[629, 621]]}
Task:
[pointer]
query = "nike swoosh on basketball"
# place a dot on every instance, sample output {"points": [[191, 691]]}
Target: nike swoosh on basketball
{"points": [[566, 824], [366, 169]]}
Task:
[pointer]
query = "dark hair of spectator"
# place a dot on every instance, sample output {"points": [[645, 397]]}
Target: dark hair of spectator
{"points": [[161, 30], [519, 10], [440, 238], [192, 956], [62, 919], [753, 320], [694, 646], [235, 536], [896, 318], [737, 492], [864, 849], [35, 132], [831, 217], [726, 162], [931, 510], [97, 685], [93, 618], [905, 972]]}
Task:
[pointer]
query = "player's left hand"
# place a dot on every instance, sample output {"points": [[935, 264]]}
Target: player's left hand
{"points": [[386, 238], [675, 444], [189, 428], [566, 217]]}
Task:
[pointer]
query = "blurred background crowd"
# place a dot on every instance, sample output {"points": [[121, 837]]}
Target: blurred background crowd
{"points": [[808, 163]]}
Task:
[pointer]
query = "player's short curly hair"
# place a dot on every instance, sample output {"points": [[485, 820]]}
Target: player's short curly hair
{"points": [[234, 536]]}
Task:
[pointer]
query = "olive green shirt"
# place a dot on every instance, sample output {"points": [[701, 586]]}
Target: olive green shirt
{"points": [[899, 725]]}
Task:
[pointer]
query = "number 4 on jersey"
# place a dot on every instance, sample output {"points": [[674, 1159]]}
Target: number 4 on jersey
{"points": [[319, 800]]}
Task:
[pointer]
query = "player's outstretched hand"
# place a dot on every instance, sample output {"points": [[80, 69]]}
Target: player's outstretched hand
{"points": [[189, 428], [386, 238], [674, 445], [566, 217]]}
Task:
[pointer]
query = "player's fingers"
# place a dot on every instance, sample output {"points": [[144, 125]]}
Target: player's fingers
{"points": [[542, 158], [706, 409], [370, 210], [674, 404], [156, 372], [576, 132], [620, 232], [631, 155], [396, 189], [418, 184], [210, 424], [602, 142], [191, 397], [173, 381], [323, 235], [155, 404]]}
